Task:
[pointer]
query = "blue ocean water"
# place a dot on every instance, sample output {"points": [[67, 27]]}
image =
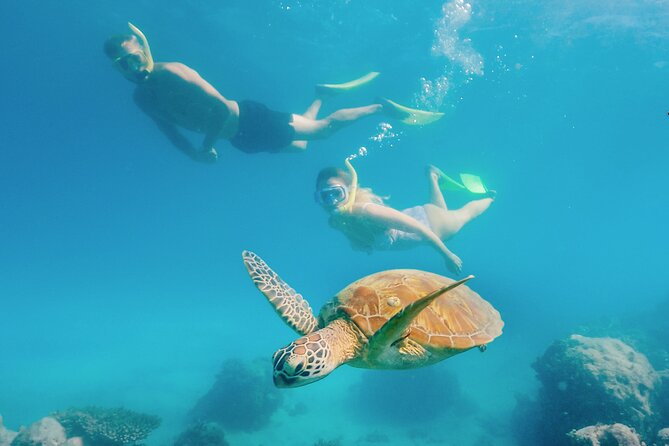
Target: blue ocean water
{"points": [[121, 282]]}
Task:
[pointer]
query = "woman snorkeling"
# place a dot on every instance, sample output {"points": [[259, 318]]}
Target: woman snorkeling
{"points": [[370, 224]]}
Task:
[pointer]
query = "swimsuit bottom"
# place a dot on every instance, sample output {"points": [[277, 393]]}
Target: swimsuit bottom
{"points": [[397, 239], [262, 129]]}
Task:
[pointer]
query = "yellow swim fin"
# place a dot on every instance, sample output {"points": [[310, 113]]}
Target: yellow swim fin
{"points": [[347, 86], [410, 116]]}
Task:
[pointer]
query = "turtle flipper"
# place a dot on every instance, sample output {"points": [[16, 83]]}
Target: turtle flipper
{"points": [[395, 329], [291, 306]]}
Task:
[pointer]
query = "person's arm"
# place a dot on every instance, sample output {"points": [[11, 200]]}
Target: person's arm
{"points": [[393, 219], [219, 116], [183, 144], [176, 138]]}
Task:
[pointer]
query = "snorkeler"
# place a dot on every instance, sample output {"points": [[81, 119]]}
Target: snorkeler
{"points": [[369, 224], [174, 96]]}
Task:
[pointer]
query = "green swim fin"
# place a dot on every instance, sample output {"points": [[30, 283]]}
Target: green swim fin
{"points": [[346, 86], [473, 183], [470, 182], [446, 182], [410, 116]]}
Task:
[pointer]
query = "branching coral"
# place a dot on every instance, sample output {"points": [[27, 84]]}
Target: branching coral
{"points": [[107, 427]]}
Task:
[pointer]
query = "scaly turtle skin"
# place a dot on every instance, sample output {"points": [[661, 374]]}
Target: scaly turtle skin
{"points": [[396, 319]]}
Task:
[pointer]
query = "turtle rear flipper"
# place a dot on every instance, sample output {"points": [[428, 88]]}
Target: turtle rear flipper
{"points": [[291, 306], [395, 329]]}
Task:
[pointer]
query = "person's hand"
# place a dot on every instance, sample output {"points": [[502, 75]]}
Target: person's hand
{"points": [[454, 264], [207, 156]]}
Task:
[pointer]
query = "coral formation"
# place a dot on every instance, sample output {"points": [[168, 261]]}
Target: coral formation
{"points": [[107, 427], [45, 432], [663, 437], [242, 398], [605, 435], [6, 436], [585, 382], [202, 434]]}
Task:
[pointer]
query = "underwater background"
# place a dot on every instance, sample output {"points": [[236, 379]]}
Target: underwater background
{"points": [[121, 281]]}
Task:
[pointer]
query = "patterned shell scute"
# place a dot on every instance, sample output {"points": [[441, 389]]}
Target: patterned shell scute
{"points": [[460, 319]]}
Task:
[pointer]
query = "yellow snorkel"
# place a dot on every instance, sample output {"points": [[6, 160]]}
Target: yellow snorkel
{"points": [[354, 186], [145, 45]]}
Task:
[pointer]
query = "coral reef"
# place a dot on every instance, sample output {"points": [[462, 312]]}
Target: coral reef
{"points": [[107, 427], [45, 432], [585, 382], [242, 398], [6, 436], [202, 434], [605, 435], [663, 437], [434, 389]]}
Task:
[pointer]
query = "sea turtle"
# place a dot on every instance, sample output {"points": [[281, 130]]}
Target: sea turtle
{"points": [[396, 319]]}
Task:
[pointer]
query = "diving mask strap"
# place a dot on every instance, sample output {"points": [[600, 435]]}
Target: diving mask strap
{"points": [[354, 186], [145, 44]]}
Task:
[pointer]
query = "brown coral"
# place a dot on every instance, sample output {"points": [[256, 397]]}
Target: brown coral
{"points": [[605, 435], [107, 427], [592, 380]]}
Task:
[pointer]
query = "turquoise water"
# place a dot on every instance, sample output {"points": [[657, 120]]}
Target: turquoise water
{"points": [[121, 282]]}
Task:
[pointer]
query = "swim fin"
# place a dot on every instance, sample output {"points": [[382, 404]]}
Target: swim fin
{"points": [[470, 182], [347, 86], [473, 183], [445, 182], [410, 116]]}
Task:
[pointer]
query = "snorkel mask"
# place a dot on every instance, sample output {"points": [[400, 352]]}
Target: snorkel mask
{"points": [[136, 65], [331, 196]]}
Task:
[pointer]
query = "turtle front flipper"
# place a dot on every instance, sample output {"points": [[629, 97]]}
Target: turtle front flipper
{"points": [[291, 306], [394, 330]]}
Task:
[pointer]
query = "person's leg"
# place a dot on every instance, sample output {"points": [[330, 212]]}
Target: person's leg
{"points": [[436, 196], [473, 209], [311, 113], [309, 129], [448, 223], [313, 109]]}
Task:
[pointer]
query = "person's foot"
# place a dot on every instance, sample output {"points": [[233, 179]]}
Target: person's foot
{"points": [[434, 172]]}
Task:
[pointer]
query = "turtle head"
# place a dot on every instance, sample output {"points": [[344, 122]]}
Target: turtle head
{"points": [[303, 361]]}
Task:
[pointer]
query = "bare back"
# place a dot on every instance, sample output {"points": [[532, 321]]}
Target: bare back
{"points": [[178, 95]]}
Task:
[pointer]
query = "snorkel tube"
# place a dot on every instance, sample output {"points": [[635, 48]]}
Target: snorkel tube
{"points": [[354, 186], [145, 45]]}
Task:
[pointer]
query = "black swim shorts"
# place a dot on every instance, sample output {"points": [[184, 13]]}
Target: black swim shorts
{"points": [[262, 129]]}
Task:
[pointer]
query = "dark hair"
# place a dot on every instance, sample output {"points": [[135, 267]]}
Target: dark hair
{"points": [[332, 172], [113, 46]]}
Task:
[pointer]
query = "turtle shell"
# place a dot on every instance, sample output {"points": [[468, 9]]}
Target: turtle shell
{"points": [[458, 320]]}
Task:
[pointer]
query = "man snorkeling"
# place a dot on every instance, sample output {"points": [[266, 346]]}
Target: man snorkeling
{"points": [[175, 96]]}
